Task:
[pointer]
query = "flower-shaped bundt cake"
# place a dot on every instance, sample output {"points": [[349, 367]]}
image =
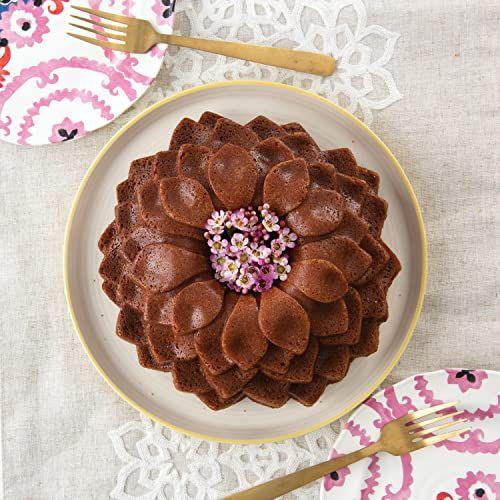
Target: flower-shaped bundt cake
{"points": [[248, 262]]}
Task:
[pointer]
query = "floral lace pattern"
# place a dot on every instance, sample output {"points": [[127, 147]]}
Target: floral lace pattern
{"points": [[361, 82], [158, 463]]}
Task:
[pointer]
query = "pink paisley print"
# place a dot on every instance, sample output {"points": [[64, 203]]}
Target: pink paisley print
{"points": [[466, 379], [341, 474], [478, 485], [66, 130], [396, 401], [473, 443], [23, 24], [58, 96], [478, 414], [364, 440], [404, 492], [45, 73]]}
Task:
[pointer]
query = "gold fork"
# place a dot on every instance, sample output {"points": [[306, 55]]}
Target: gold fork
{"points": [[138, 35], [404, 435]]}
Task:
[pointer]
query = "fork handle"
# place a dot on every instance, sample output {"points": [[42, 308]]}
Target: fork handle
{"points": [[306, 62], [285, 484]]}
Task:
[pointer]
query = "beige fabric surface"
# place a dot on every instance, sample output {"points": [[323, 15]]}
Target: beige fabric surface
{"points": [[56, 410]]}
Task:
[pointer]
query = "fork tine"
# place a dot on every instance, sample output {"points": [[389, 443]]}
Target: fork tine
{"points": [[423, 432], [417, 425], [106, 15], [427, 411], [99, 43], [441, 437], [115, 36], [102, 25]]}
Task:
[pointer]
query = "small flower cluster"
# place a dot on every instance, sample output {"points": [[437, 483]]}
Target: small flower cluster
{"points": [[248, 248]]}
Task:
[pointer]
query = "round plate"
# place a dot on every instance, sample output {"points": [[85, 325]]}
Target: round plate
{"points": [[94, 315], [57, 88], [460, 468]]}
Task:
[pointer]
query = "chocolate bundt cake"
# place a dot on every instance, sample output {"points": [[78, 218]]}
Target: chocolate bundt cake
{"points": [[248, 262]]}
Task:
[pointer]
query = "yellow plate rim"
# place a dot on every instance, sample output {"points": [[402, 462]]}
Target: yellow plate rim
{"points": [[359, 124]]}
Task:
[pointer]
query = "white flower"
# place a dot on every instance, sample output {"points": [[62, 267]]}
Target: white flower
{"points": [[270, 222], [288, 238], [217, 244], [238, 242]]}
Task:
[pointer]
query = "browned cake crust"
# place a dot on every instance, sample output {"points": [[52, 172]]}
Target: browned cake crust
{"points": [[290, 341]]}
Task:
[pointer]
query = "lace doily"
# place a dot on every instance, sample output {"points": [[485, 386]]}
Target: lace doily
{"points": [[159, 463]]}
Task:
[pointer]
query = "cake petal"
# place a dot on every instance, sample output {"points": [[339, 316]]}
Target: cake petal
{"points": [[188, 377], [321, 213], [266, 391], [229, 132], [129, 325], [209, 119], [374, 211], [183, 346], [329, 318], [113, 266], [323, 175], [214, 402], [109, 240], [233, 176], [154, 215], [373, 298], [286, 186], [265, 128], [161, 267], [352, 226], [284, 321], [379, 256], [126, 217], [267, 154], [131, 293], [302, 144], [186, 201], [343, 252], [308, 394], [333, 362], [159, 307], [208, 340], [192, 162], [368, 342], [189, 132], [231, 382], [370, 177], [353, 190], [301, 369], [142, 236], [355, 315], [160, 339], [146, 359], [165, 165], [242, 340], [197, 305], [293, 127], [319, 279], [276, 359], [342, 159]]}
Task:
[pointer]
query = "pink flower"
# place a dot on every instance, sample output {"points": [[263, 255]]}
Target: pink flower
{"points": [[466, 379], [478, 485], [66, 130], [23, 24], [336, 478]]}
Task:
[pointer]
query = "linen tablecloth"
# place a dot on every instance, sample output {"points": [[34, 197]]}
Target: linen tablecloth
{"points": [[434, 102]]}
